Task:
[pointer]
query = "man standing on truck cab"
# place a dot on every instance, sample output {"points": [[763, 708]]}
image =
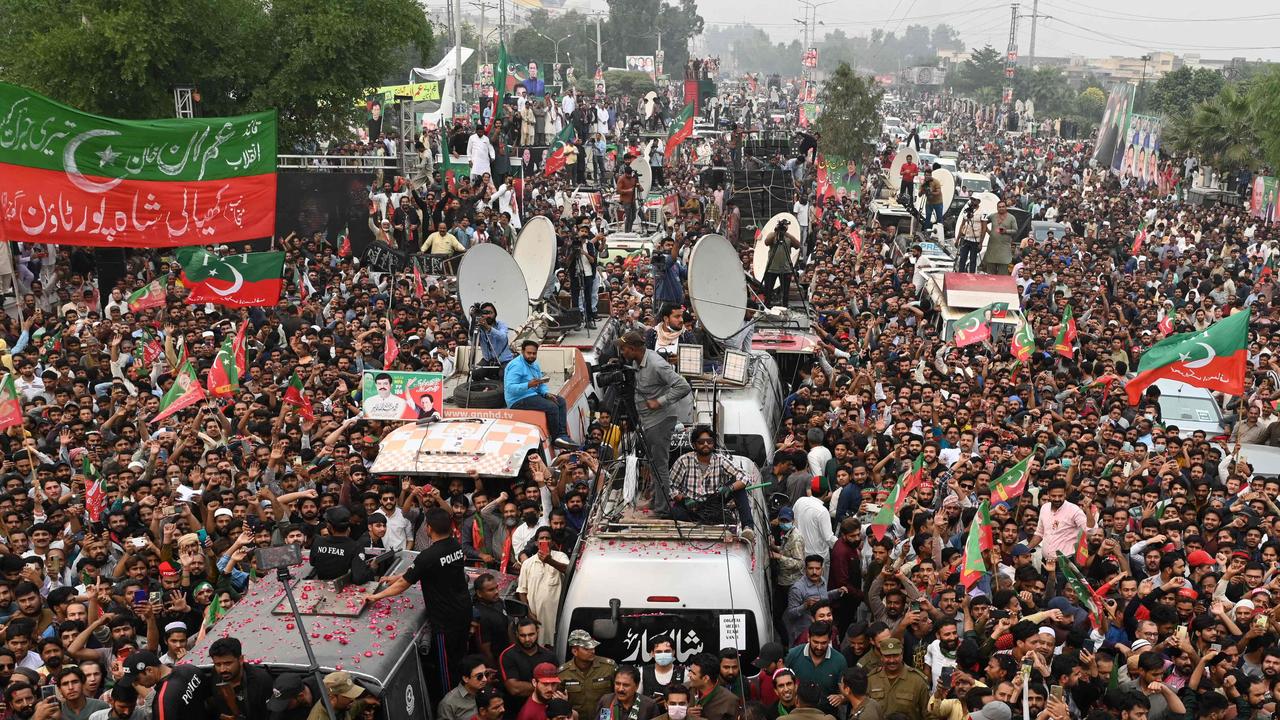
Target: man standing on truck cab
{"points": [[587, 677], [662, 399], [441, 568], [711, 701]]}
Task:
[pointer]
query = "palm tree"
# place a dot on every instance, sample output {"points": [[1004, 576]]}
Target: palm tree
{"points": [[1219, 130]]}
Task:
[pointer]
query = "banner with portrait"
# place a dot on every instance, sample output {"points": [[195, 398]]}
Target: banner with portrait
{"points": [[1115, 120], [390, 395], [640, 63], [1265, 199], [1140, 156]]}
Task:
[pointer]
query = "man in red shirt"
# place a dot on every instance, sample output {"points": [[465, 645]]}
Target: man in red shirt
{"points": [[908, 172], [546, 687]]}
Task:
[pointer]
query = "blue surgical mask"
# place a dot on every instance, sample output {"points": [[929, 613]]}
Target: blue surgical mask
{"points": [[786, 526], [664, 658]]}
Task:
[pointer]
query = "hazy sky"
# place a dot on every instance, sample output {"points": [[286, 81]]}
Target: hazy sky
{"points": [[1226, 29]]}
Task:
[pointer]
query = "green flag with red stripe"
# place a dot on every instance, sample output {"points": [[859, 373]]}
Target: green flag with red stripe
{"points": [[248, 279], [973, 567], [902, 489], [80, 179], [1214, 358], [558, 152], [680, 129]]}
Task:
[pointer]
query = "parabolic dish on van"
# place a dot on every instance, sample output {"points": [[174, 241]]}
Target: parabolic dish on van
{"points": [[718, 294], [488, 274], [987, 202], [900, 159], [760, 260], [535, 253], [947, 182], [644, 175]]}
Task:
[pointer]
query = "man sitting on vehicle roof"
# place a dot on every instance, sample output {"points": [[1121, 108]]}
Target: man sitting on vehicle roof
{"points": [[701, 481], [525, 387]]}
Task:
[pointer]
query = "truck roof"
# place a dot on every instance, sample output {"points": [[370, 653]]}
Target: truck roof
{"points": [[367, 642]]}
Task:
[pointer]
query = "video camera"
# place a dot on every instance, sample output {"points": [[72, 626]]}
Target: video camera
{"points": [[615, 373]]}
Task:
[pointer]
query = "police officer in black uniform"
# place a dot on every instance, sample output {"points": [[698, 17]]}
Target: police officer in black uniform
{"points": [[338, 553]]}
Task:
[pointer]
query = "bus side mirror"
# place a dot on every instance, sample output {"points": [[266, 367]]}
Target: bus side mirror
{"points": [[608, 629]]}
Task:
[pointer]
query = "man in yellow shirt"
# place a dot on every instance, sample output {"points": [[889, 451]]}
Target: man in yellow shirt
{"points": [[442, 242]]}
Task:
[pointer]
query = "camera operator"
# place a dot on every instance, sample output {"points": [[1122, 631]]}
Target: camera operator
{"points": [[495, 348], [972, 228], [662, 399], [583, 254], [779, 268]]}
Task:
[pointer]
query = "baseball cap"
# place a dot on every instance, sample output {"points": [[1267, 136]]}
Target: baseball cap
{"points": [[545, 672], [167, 570], [338, 516], [582, 639], [288, 686], [1196, 558], [769, 653], [786, 513], [340, 683], [891, 646], [138, 662], [993, 711], [1019, 550]]}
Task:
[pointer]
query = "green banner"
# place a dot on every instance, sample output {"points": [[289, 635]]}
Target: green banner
{"points": [[97, 153], [401, 395]]}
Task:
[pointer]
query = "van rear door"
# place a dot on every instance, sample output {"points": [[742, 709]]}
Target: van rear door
{"points": [[691, 631]]}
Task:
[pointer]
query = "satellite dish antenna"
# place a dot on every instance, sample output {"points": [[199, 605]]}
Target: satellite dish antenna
{"points": [[488, 274], [900, 159], [644, 176], [987, 203], [760, 258], [947, 182], [535, 253], [719, 297]]}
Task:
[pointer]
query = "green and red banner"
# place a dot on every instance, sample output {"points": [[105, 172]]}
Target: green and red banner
{"points": [[228, 366], [976, 326], [80, 179], [555, 161], [293, 395], [10, 403], [1214, 358], [1086, 597], [151, 295], [248, 279], [1067, 335], [973, 567], [906, 485], [1012, 483], [183, 393], [1023, 344], [680, 129]]}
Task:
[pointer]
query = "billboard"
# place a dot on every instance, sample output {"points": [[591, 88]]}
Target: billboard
{"points": [[1108, 148], [640, 63], [390, 395], [1264, 200], [1140, 156]]}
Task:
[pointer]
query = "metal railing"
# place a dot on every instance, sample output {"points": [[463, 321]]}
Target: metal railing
{"points": [[337, 163]]}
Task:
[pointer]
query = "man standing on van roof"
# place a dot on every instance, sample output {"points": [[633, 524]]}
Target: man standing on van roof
{"points": [[587, 677], [662, 399]]}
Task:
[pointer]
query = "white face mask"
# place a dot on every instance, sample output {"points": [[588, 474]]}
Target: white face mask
{"points": [[665, 659], [677, 712]]}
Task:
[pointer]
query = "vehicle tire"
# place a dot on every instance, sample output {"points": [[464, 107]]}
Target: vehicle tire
{"points": [[480, 394]]}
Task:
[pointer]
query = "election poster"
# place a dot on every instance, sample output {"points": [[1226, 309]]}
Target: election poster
{"points": [[390, 395]]}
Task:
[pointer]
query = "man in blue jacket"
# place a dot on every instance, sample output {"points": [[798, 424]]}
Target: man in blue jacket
{"points": [[525, 388]]}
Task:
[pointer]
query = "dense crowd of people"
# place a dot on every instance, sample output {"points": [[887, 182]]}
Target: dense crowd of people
{"points": [[1171, 529]]}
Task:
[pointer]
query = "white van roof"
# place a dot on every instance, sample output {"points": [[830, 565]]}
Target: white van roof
{"points": [[974, 290]]}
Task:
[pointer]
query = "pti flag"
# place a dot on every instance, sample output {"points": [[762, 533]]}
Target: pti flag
{"points": [[1012, 483], [557, 153], [80, 179], [10, 403], [499, 85], [976, 326], [1214, 358], [1067, 334], [680, 129], [235, 280], [151, 295], [293, 396], [183, 393], [95, 499], [1023, 344], [973, 567], [906, 485], [228, 364]]}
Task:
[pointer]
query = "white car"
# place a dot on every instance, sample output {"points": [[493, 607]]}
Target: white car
{"points": [[1189, 408]]}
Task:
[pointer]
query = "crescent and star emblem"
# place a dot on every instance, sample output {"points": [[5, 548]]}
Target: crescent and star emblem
{"points": [[1195, 364], [235, 285], [73, 170]]}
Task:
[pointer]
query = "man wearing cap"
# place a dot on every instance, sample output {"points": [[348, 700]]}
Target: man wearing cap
{"points": [[343, 694], [897, 687], [292, 697], [586, 676], [546, 688], [337, 554], [760, 687]]}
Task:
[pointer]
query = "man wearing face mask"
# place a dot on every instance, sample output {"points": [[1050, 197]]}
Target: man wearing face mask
{"points": [[657, 679], [677, 703]]}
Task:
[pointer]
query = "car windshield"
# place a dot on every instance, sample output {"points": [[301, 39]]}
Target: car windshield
{"points": [[976, 185], [1186, 408]]}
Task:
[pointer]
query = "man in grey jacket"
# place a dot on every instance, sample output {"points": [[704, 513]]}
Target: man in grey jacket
{"points": [[662, 398]]}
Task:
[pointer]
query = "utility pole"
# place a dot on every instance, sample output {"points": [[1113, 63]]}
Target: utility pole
{"points": [[484, 51], [596, 17], [1011, 56], [457, 54], [1031, 42]]}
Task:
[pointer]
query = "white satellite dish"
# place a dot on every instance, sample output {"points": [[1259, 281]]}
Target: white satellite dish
{"points": [[987, 203], [650, 99], [535, 253], [488, 274], [760, 260], [948, 183], [900, 159], [718, 294], [644, 177]]}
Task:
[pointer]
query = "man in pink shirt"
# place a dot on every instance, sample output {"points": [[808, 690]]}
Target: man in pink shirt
{"points": [[1060, 521]]}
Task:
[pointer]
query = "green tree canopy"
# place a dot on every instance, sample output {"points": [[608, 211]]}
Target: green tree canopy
{"points": [[850, 112], [983, 71], [1222, 131], [312, 60], [1264, 96], [1178, 92]]}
